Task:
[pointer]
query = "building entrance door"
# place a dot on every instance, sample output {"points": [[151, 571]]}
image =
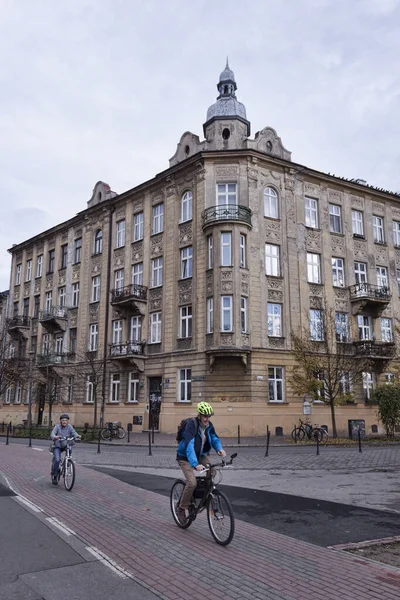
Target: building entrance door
{"points": [[155, 398]]}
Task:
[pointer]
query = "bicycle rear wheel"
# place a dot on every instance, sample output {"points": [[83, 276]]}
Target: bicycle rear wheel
{"points": [[121, 433], [220, 518], [105, 434], [69, 474], [316, 434], [18, 429], [175, 498], [298, 434]]}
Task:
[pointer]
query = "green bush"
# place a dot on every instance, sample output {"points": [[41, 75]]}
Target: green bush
{"points": [[387, 399]]}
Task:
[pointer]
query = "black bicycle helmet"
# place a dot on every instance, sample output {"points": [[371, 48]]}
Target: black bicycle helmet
{"points": [[64, 416]]}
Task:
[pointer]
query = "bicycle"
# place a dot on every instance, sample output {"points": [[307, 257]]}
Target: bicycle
{"points": [[113, 430], [66, 467], [207, 496], [19, 428], [315, 432]]}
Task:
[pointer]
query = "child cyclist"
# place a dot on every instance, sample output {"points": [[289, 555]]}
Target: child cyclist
{"points": [[62, 430]]}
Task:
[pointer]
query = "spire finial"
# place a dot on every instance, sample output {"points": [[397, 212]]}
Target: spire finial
{"points": [[227, 63]]}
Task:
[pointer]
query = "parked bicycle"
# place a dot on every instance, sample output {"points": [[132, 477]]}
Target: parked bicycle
{"points": [[20, 427], [312, 432], [207, 496], [112, 430], [67, 465]]}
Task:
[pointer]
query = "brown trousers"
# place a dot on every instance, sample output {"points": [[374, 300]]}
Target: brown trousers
{"points": [[190, 478]]}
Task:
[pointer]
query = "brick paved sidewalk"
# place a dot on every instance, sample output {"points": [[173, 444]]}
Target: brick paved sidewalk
{"points": [[135, 528]]}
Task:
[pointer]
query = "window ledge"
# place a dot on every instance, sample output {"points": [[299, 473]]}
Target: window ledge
{"points": [[380, 243], [277, 402], [339, 233], [129, 402], [315, 283], [179, 402]]}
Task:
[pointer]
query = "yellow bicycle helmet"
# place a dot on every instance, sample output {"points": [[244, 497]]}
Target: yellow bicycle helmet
{"points": [[203, 408]]}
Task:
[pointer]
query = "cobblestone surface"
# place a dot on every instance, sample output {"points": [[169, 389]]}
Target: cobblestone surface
{"points": [[135, 528]]}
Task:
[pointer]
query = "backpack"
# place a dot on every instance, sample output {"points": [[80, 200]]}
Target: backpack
{"points": [[182, 427]]}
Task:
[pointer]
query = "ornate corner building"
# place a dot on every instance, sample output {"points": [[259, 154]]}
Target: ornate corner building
{"points": [[188, 286]]}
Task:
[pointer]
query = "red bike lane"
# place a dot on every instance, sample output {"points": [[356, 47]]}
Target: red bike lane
{"points": [[134, 528]]}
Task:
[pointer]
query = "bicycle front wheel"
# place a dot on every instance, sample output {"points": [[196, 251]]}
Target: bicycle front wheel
{"points": [[317, 435], [175, 498], [69, 474], [121, 433], [220, 518], [105, 434]]}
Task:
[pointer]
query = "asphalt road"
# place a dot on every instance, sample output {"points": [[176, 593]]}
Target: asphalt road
{"points": [[316, 521]]}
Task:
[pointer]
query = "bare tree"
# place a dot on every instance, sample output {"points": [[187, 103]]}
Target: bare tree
{"points": [[325, 367], [90, 370]]}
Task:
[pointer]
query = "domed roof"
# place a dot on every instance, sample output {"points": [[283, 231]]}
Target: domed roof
{"points": [[226, 104], [227, 74]]}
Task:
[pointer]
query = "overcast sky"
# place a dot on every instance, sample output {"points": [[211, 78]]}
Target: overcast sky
{"points": [[103, 89]]}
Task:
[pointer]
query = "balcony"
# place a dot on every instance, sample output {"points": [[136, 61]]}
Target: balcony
{"points": [[18, 325], [52, 359], [224, 213], [54, 318], [127, 298], [129, 352], [375, 350], [368, 298]]}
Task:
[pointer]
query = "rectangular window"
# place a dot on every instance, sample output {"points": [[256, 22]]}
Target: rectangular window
{"points": [[98, 242], [49, 301], [345, 386], [135, 329], [70, 389], [274, 320], [377, 223], [137, 274], [158, 218], [275, 384], [78, 250], [138, 226], [93, 337], [210, 315], [242, 251], [210, 261], [73, 333], [59, 344], [368, 385], [25, 307], [389, 378], [364, 327], [396, 233], [15, 309], [75, 294], [272, 261], [39, 265], [313, 268], [342, 327], [36, 307], [243, 314], [335, 218], [120, 234], [133, 389], [95, 288], [51, 258], [382, 278], [338, 272], [185, 322], [18, 273], [357, 223], [185, 385], [8, 395], [157, 272], [226, 194], [398, 281], [17, 394], [316, 325], [46, 343], [271, 203], [34, 344], [62, 295], [311, 212], [64, 256], [226, 313], [360, 272], [117, 331], [226, 249], [155, 328], [186, 207], [186, 262], [386, 330], [119, 279], [115, 387], [89, 389], [29, 269]]}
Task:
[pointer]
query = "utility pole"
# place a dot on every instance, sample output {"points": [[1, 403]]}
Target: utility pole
{"points": [[31, 353]]}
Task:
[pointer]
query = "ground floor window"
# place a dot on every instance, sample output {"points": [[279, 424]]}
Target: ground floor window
{"points": [[275, 384], [185, 385], [133, 390], [115, 387]]}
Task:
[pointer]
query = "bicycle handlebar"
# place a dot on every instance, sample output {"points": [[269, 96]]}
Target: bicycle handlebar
{"points": [[224, 463]]}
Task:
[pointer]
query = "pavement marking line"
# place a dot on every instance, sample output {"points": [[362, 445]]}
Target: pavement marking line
{"points": [[9, 485], [108, 562], [56, 523], [38, 449], [29, 504]]}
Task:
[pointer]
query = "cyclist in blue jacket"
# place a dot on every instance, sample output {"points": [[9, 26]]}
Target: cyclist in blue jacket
{"points": [[64, 429], [193, 451]]}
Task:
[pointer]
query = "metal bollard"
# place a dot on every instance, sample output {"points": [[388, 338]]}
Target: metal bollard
{"points": [[238, 434], [152, 434], [268, 436], [98, 442], [8, 430], [30, 436], [150, 454], [359, 440], [317, 438]]}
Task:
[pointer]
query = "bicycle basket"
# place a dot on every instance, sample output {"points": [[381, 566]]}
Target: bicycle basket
{"points": [[63, 444], [201, 488]]}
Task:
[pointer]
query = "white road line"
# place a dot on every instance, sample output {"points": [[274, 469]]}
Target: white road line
{"points": [[108, 562], [56, 523], [38, 449], [28, 503], [9, 485]]}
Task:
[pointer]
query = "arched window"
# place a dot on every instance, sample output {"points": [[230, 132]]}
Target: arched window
{"points": [[98, 242], [271, 203], [186, 206]]}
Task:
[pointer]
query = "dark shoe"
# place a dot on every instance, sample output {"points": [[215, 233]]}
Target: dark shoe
{"points": [[54, 480], [182, 516]]}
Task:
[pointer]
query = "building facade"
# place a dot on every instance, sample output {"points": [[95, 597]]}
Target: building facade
{"points": [[188, 286]]}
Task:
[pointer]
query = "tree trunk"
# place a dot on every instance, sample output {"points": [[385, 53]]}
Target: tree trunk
{"points": [[333, 417]]}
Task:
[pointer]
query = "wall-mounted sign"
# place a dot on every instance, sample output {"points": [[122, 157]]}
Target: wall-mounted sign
{"points": [[198, 378]]}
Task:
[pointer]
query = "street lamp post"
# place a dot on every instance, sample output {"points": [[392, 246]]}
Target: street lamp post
{"points": [[31, 353]]}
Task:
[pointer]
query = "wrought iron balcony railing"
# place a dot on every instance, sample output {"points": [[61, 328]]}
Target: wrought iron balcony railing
{"points": [[129, 292], [54, 312], [18, 321], [126, 349], [375, 349], [226, 212], [374, 293], [53, 358]]}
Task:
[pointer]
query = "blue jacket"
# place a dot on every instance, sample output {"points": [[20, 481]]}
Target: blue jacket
{"points": [[190, 446]]}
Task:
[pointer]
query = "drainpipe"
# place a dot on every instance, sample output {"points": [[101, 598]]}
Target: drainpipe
{"points": [[107, 312]]}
